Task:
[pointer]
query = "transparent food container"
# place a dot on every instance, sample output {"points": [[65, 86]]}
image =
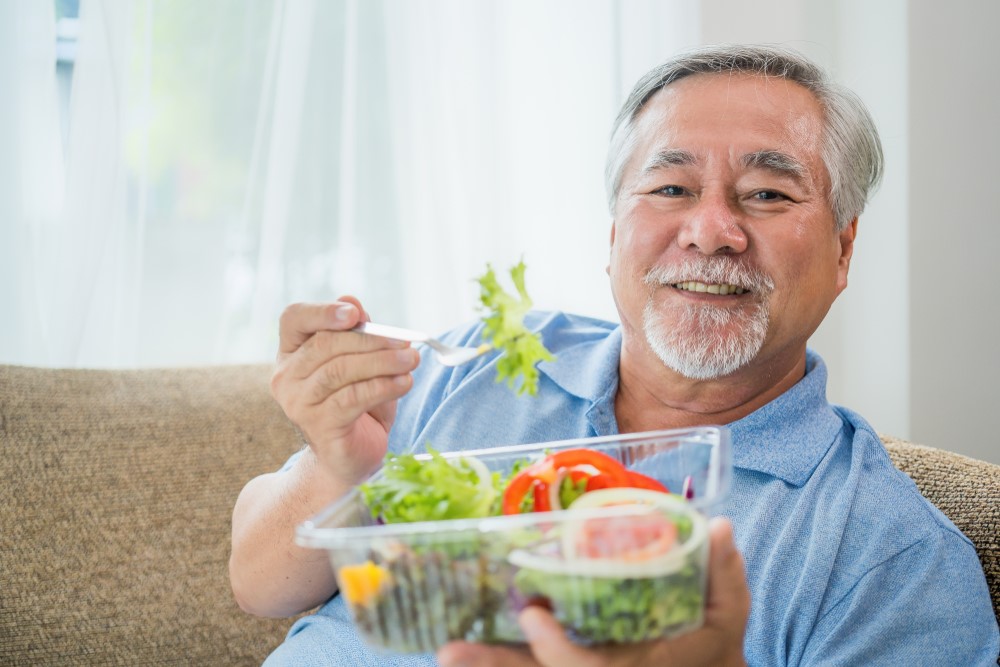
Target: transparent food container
{"points": [[609, 572]]}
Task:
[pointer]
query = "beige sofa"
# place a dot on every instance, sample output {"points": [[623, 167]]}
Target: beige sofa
{"points": [[116, 489]]}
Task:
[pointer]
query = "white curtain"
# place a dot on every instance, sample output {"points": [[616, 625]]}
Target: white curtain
{"points": [[31, 172], [226, 158]]}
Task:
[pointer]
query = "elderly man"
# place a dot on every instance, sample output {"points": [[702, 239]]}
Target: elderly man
{"points": [[736, 176]]}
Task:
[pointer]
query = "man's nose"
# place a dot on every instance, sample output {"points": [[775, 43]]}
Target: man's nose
{"points": [[713, 226]]}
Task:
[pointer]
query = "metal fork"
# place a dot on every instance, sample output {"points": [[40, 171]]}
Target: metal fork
{"points": [[446, 354]]}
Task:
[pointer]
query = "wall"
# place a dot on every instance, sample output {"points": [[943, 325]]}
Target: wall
{"points": [[954, 139]]}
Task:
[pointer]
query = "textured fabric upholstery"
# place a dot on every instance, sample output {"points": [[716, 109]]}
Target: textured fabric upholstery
{"points": [[116, 491], [115, 503]]}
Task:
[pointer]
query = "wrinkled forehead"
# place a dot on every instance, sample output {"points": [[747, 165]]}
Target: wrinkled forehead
{"points": [[745, 112]]}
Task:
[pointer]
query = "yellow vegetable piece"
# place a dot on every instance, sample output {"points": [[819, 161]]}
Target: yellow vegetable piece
{"points": [[361, 584]]}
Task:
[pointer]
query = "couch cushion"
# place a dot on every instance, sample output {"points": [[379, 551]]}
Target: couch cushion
{"points": [[115, 506]]}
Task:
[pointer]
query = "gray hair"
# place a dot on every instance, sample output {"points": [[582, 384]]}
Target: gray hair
{"points": [[852, 152]]}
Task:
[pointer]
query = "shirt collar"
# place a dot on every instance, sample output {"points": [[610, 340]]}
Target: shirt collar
{"points": [[587, 370], [787, 438]]}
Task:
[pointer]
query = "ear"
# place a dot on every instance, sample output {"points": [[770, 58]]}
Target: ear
{"points": [[846, 239], [607, 269]]}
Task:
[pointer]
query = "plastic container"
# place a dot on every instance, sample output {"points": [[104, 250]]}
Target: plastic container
{"points": [[412, 587]]}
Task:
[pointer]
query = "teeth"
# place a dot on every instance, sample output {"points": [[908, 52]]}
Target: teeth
{"points": [[714, 288]]}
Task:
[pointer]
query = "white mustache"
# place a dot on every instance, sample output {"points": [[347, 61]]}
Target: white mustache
{"points": [[715, 271]]}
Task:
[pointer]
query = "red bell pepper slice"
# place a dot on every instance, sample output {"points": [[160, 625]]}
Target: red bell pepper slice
{"points": [[640, 481], [602, 462], [542, 503], [546, 472], [601, 481], [516, 489]]}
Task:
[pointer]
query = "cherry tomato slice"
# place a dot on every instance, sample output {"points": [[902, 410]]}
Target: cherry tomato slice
{"points": [[634, 539]]}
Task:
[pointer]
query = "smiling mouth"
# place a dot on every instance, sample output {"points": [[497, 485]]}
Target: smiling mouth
{"points": [[710, 288]]}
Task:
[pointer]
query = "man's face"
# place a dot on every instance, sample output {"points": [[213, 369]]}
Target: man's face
{"points": [[724, 249]]}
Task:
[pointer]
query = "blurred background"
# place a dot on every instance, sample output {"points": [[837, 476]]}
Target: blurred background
{"points": [[173, 173]]}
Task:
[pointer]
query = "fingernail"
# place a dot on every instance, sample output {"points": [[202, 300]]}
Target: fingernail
{"points": [[343, 313]]}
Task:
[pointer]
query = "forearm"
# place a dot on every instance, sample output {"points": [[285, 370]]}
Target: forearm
{"points": [[269, 573]]}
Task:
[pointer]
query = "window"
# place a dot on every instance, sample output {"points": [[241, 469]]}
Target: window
{"points": [[67, 28]]}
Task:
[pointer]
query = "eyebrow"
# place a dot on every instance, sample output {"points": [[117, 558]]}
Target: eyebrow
{"points": [[771, 160], [776, 161], [671, 157]]}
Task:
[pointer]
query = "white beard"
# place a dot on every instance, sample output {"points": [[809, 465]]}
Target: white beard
{"points": [[701, 341]]}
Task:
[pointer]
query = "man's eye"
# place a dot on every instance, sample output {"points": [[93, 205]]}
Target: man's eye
{"points": [[768, 195], [671, 191]]}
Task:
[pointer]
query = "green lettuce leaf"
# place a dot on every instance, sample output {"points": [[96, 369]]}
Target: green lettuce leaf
{"points": [[433, 489], [521, 349]]}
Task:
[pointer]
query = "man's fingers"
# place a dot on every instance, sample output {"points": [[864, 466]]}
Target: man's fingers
{"points": [[354, 400], [465, 654], [348, 384], [349, 369], [549, 643], [546, 639], [300, 321], [327, 346]]}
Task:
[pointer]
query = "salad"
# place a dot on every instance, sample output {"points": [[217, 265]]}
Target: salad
{"points": [[521, 349], [625, 564]]}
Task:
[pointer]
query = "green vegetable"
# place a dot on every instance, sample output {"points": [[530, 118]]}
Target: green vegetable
{"points": [[433, 489], [505, 329], [600, 610], [570, 490]]}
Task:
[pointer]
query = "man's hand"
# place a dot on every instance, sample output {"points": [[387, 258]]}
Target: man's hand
{"points": [[718, 643], [340, 387]]}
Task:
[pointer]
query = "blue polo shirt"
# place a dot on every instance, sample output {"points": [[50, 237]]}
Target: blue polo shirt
{"points": [[847, 563]]}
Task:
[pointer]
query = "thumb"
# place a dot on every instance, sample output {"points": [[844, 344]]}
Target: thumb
{"points": [[300, 321], [728, 602]]}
